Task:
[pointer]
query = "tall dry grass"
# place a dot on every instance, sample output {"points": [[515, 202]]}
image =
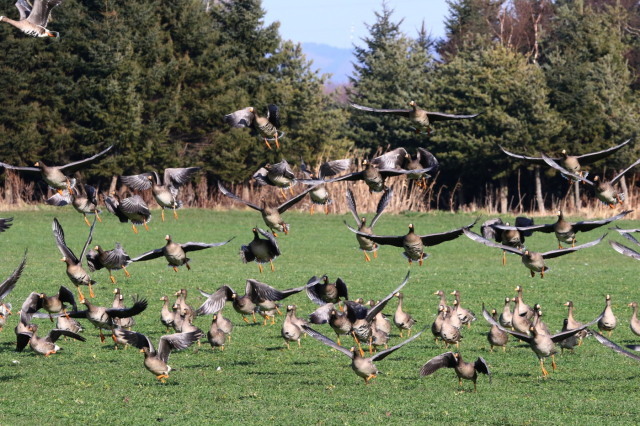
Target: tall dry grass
{"points": [[18, 194]]}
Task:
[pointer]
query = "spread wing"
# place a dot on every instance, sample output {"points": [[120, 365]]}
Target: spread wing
{"points": [[332, 168], [23, 341], [622, 173], [481, 366], [20, 168], [215, 301], [41, 9], [322, 314], [56, 333], [558, 337], [113, 206], [314, 289], [293, 200], [627, 234], [402, 112], [176, 341], [553, 163], [624, 250], [9, 284], [152, 254], [258, 291], [397, 172], [233, 196], [135, 339], [445, 360], [58, 234], [139, 305], [324, 339], [441, 116], [427, 159], [351, 203], [272, 240], [5, 223], [76, 165], [241, 118], [588, 225], [190, 246], [383, 354], [488, 229], [435, 239], [391, 240], [381, 304], [59, 200], [479, 239], [534, 160], [595, 156], [560, 252], [391, 160], [177, 177], [30, 306], [608, 343], [140, 182], [273, 115], [24, 8], [282, 169], [382, 204], [134, 205]]}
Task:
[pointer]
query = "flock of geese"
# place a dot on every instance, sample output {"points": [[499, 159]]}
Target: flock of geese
{"points": [[362, 321]]}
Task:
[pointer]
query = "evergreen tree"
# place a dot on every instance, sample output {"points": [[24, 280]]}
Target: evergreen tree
{"points": [[390, 71]]}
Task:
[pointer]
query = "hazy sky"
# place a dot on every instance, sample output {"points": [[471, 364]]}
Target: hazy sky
{"points": [[341, 23]]}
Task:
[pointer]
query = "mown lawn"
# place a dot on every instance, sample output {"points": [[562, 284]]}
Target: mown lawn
{"points": [[256, 379]]}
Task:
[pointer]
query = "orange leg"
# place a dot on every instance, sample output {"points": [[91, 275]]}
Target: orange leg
{"points": [[260, 267], [86, 220], [366, 257], [267, 143], [135, 230], [272, 267], [91, 293], [145, 225], [98, 217], [126, 273], [162, 214], [277, 143], [175, 214], [311, 209]]}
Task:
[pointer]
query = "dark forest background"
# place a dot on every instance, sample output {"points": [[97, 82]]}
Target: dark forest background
{"points": [[154, 78]]}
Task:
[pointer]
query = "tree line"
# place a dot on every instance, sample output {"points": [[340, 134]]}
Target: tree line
{"points": [[155, 79]]}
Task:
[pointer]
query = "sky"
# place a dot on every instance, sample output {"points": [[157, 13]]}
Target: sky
{"points": [[341, 23]]}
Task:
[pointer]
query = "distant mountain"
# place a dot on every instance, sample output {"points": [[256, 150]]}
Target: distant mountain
{"points": [[331, 60]]}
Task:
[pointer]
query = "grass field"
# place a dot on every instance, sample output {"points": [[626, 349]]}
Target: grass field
{"points": [[256, 379]]}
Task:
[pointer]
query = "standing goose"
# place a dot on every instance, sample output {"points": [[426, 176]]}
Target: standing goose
{"points": [[420, 118], [608, 322], [118, 303], [85, 204], [532, 260], [523, 309], [259, 250], [267, 126], [503, 233], [381, 322], [292, 326], [542, 344], [464, 370], [450, 329], [412, 243], [167, 316], [572, 163], [465, 315], [367, 245], [495, 336], [634, 324], [131, 209], [176, 253], [436, 325], [319, 194], [44, 345], [75, 271], [164, 191], [270, 214], [506, 317], [604, 190], [363, 367], [565, 231], [215, 336], [572, 323], [401, 319], [55, 176], [155, 360], [519, 321], [112, 260]]}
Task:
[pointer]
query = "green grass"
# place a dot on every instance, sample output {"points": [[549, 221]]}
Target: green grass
{"points": [[259, 380]]}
